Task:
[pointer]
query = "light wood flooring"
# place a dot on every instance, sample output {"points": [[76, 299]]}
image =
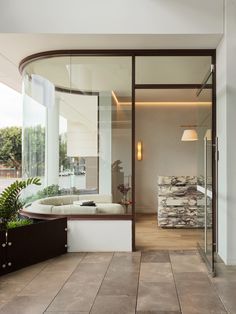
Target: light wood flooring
{"points": [[151, 237]]}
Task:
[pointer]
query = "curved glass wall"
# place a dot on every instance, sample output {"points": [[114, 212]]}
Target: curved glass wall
{"points": [[77, 135]]}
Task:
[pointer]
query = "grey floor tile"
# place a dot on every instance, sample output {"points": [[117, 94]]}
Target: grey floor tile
{"points": [[155, 257], [66, 262], [197, 294], [114, 305], [89, 272], [26, 305], [120, 283], [97, 258], [156, 272], [46, 284], [187, 263], [184, 252], [128, 256], [158, 312], [24, 275], [195, 282], [200, 303], [63, 312], [80, 290], [75, 296], [225, 272], [153, 296], [2, 303], [227, 292], [8, 290], [125, 262]]}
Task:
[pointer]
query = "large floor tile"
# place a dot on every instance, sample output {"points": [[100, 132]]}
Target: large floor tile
{"points": [[197, 294], [79, 292], [26, 305], [227, 292], [155, 257], [156, 272], [201, 303], [157, 296], [66, 262], [195, 282], [46, 284], [187, 263], [63, 312], [75, 297], [158, 312], [120, 283], [125, 262], [114, 305], [89, 272], [10, 289], [24, 275], [2, 303], [225, 272], [97, 258], [70, 312], [133, 257]]}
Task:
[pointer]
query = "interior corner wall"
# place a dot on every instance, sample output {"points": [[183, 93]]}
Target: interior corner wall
{"points": [[221, 123], [164, 154], [231, 128], [226, 129]]}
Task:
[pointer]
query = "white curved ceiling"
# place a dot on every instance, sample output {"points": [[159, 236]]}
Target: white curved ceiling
{"points": [[15, 47]]}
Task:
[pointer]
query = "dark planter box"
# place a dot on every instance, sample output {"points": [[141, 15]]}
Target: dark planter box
{"points": [[27, 245]]}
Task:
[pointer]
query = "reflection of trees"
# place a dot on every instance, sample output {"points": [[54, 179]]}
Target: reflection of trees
{"points": [[64, 160], [34, 151], [10, 147]]}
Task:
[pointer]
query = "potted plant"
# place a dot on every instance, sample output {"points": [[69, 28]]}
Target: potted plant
{"points": [[10, 203], [25, 241]]}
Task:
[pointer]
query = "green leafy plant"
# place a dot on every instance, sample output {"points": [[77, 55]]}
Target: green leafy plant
{"points": [[18, 223], [10, 202], [51, 190]]}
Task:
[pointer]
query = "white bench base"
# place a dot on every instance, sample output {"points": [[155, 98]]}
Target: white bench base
{"points": [[99, 235]]}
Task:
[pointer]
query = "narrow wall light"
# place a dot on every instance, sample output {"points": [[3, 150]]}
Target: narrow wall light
{"points": [[189, 135], [208, 134], [139, 151]]}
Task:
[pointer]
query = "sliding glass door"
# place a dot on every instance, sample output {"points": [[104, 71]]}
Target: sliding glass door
{"points": [[206, 170]]}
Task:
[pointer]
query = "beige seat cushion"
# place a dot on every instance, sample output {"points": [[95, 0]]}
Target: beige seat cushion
{"points": [[110, 208], [74, 210], [97, 198]]}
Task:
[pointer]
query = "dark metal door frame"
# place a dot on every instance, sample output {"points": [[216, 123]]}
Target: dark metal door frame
{"points": [[134, 53]]}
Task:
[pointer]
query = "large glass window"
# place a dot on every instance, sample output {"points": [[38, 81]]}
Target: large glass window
{"points": [[81, 111], [171, 69]]}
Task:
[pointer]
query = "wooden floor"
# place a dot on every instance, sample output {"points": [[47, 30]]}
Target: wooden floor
{"points": [[151, 237]]}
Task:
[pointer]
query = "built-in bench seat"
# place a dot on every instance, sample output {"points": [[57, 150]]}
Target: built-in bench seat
{"points": [[71, 205]]}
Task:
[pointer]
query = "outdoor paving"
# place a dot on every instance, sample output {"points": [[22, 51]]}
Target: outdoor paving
{"points": [[155, 282]]}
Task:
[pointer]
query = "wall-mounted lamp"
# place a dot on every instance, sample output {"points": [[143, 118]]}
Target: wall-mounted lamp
{"points": [[208, 134], [139, 151], [189, 135]]}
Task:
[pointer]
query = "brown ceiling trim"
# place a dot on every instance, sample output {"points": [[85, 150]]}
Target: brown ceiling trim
{"points": [[115, 53]]}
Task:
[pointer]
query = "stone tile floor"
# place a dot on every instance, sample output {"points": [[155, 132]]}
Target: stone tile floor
{"points": [[154, 282]]}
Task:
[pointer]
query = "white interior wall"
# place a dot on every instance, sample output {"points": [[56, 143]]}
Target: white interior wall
{"points": [[231, 128], [222, 143], [163, 151], [226, 128]]}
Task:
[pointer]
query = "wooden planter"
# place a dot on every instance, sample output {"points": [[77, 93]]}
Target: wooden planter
{"points": [[30, 244]]}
